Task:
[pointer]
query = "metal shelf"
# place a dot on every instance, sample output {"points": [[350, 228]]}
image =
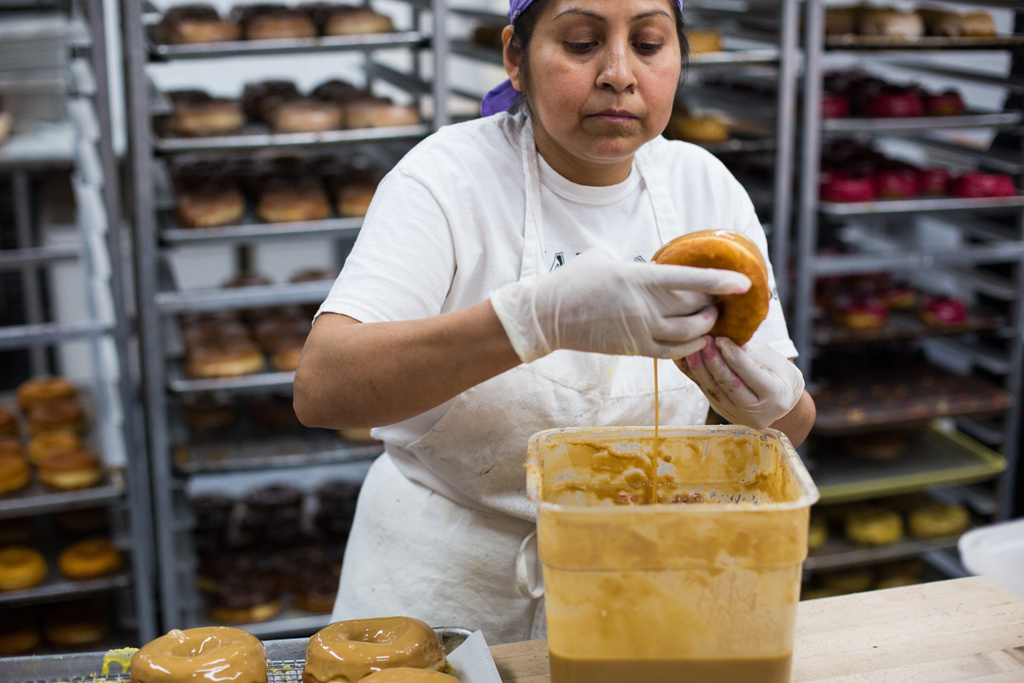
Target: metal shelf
{"points": [[995, 160], [11, 259], [895, 206], [260, 137], [21, 336], [901, 326], [252, 449], [740, 146], [1008, 81], [47, 145], [251, 48], [179, 382], [918, 393], [59, 588], [36, 499], [251, 230], [940, 457], [235, 298], [922, 124], [924, 43], [291, 622], [841, 554]]}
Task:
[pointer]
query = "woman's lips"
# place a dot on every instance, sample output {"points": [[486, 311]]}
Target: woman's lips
{"points": [[615, 115]]}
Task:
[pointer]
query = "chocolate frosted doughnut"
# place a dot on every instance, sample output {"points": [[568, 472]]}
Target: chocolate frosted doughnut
{"points": [[245, 598], [187, 24]]}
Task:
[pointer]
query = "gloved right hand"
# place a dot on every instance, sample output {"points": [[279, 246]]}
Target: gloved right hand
{"points": [[601, 305]]}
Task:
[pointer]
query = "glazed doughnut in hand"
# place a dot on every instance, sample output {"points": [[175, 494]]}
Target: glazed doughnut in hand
{"points": [[200, 655], [351, 650], [739, 315]]}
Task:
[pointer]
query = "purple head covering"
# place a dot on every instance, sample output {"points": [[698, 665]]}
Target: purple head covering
{"points": [[504, 95]]}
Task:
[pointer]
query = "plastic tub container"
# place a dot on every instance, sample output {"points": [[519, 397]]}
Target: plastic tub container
{"points": [[705, 589], [996, 551]]}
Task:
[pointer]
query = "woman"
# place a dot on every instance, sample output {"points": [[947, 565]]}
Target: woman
{"points": [[499, 287]]}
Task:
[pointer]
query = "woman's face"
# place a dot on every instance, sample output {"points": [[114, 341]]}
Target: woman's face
{"points": [[601, 78]]}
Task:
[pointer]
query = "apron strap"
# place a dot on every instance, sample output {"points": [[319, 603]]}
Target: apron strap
{"points": [[529, 586]]}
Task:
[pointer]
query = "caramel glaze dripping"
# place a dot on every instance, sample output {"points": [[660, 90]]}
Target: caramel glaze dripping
{"points": [[655, 450]]}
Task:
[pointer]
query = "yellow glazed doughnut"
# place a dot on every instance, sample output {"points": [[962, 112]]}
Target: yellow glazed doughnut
{"points": [[201, 655], [739, 315], [349, 651], [21, 567]]}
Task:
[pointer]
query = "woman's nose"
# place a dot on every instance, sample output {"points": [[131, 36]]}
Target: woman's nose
{"points": [[617, 70]]}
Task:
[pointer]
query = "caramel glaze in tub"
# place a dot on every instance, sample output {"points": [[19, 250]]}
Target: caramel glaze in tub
{"points": [[351, 650], [705, 581], [201, 655]]}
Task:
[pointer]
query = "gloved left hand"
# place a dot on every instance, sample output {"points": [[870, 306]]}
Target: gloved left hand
{"points": [[752, 385]]}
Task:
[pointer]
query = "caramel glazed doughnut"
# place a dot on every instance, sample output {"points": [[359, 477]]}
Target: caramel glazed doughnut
{"points": [[201, 655], [739, 315], [349, 651]]}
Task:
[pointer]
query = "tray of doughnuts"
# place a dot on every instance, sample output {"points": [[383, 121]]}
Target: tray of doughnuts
{"points": [[240, 198], [283, 660], [275, 112], [923, 27], [48, 456], [193, 31]]}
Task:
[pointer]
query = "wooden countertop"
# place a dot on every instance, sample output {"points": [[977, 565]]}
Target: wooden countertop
{"points": [[958, 630]]}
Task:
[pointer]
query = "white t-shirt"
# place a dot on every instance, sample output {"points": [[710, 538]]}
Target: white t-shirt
{"points": [[445, 229]]}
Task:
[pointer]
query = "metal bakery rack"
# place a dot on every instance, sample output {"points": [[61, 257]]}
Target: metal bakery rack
{"points": [[53, 79], [181, 458], [961, 401]]}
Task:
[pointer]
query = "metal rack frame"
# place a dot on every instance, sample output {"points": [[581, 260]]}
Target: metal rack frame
{"points": [[1006, 246], [84, 144], [158, 236]]}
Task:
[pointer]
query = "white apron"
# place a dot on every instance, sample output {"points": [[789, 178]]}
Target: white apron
{"points": [[456, 548]]}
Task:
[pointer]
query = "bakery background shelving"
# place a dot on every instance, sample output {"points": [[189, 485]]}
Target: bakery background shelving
{"points": [[180, 269], [53, 79], [943, 245]]}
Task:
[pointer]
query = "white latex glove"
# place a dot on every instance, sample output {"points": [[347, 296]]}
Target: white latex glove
{"points": [[752, 385], [602, 305]]}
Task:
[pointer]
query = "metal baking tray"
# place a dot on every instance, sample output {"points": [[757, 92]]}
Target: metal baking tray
{"points": [[894, 206], [923, 124], [246, 48], [258, 136], [840, 553], [37, 499], [179, 382], [252, 228], [235, 298], [939, 457], [11, 259], [246, 447], [285, 659], [58, 588], [852, 42], [902, 325], [917, 394]]}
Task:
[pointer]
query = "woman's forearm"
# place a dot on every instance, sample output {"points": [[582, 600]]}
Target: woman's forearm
{"points": [[366, 375], [797, 423]]}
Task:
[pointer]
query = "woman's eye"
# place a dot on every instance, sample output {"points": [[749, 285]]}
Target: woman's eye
{"points": [[647, 48], [580, 47]]}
